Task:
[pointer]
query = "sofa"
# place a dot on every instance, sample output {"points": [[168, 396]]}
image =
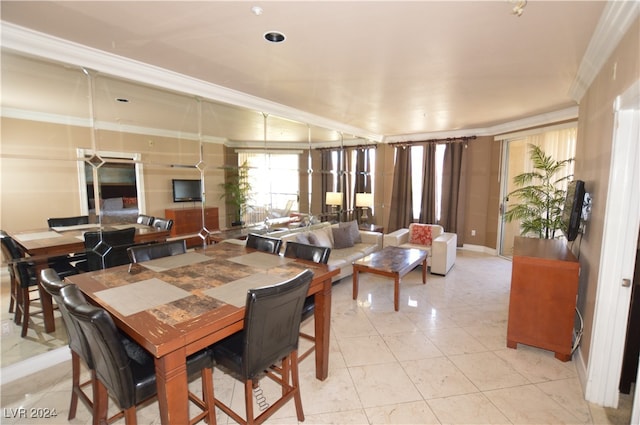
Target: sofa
{"points": [[440, 245], [334, 235]]}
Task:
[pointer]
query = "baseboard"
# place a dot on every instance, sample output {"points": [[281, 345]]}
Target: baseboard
{"points": [[581, 369], [34, 364], [479, 248]]}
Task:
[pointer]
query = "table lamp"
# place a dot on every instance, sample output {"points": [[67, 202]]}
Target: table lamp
{"points": [[334, 199], [364, 201]]}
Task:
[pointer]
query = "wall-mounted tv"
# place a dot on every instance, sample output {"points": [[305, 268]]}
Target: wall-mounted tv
{"points": [[187, 190], [572, 212]]}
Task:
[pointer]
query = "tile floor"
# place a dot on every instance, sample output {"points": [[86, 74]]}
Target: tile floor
{"points": [[441, 359]]}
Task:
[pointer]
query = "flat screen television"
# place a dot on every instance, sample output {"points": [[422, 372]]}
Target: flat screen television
{"points": [[187, 190], [572, 212]]}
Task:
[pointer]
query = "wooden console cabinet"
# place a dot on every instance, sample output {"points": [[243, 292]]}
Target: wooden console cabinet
{"points": [[544, 287], [188, 221]]}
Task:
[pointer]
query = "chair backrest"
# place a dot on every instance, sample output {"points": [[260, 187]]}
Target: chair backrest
{"points": [[52, 283], [272, 322], [108, 248], [67, 221], [264, 243], [147, 220], [112, 365], [317, 254], [10, 248], [162, 223], [140, 253]]}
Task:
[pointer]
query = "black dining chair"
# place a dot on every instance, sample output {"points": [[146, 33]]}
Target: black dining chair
{"points": [[125, 372], [162, 223], [78, 344], [264, 243], [317, 254], [147, 220], [146, 252], [269, 337], [70, 260], [108, 248], [23, 281], [68, 221]]}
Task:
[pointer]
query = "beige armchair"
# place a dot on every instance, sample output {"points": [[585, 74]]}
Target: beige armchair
{"points": [[440, 245]]}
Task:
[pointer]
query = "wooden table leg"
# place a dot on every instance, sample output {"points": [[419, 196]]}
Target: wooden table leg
{"points": [[424, 271], [322, 319], [355, 283], [173, 390], [396, 292]]}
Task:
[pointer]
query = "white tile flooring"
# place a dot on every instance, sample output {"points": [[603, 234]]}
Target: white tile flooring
{"points": [[441, 359]]}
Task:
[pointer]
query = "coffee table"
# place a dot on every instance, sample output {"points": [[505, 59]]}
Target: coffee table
{"points": [[391, 262]]}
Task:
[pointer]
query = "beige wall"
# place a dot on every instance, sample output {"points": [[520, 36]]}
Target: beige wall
{"points": [[593, 155], [40, 170]]}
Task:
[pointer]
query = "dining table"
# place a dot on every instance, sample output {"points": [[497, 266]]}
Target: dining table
{"points": [[41, 244], [175, 306]]}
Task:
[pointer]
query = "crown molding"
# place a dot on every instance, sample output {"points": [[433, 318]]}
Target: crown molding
{"points": [[615, 20], [35, 43], [566, 114]]}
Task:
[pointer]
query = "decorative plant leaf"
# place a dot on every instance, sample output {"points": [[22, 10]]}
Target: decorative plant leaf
{"points": [[541, 196]]}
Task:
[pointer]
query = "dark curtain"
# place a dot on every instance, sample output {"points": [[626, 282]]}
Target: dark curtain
{"points": [[361, 178], [401, 214], [348, 183], [327, 176], [453, 190], [428, 201]]}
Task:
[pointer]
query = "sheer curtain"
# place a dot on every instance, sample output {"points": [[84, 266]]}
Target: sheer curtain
{"points": [[401, 214], [559, 144], [428, 198]]}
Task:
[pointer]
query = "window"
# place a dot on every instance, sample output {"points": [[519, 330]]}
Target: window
{"points": [[275, 183], [416, 178]]}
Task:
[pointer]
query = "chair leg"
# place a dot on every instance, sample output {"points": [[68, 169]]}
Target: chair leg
{"points": [[248, 401], [295, 383], [17, 318], [100, 404], [14, 293], [26, 304], [130, 417], [75, 383]]}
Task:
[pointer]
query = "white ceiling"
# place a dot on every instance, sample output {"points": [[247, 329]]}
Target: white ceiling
{"points": [[381, 69]]}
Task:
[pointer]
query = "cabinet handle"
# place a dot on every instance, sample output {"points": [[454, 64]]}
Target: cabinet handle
{"points": [[626, 283]]}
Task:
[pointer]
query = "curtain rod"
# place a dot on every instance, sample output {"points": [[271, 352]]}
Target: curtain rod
{"points": [[441, 141], [333, 148]]}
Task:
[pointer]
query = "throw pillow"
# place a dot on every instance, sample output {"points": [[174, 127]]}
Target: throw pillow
{"points": [[342, 237], [320, 238], [420, 234], [129, 202], [353, 229]]}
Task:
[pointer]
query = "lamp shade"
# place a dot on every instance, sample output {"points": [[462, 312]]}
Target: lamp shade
{"points": [[333, 198], [364, 200]]}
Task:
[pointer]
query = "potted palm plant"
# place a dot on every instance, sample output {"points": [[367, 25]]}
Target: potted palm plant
{"points": [[237, 191], [542, 196]]}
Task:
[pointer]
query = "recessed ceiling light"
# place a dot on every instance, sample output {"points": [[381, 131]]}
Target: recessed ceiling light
{"points": [[274, 36]]}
